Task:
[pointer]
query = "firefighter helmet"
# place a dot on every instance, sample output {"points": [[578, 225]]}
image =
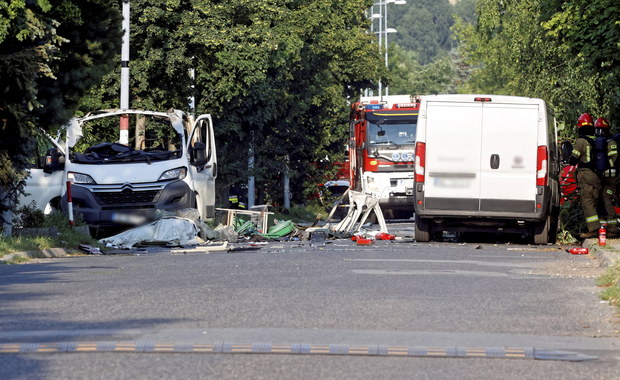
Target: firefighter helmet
{"points": [[584, 119], [601, 123]]}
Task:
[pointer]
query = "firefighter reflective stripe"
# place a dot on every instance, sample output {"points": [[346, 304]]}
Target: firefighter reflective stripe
{"points": [[611, 222], [233, 199], [592, 219], [612, 153], [577, 154]]}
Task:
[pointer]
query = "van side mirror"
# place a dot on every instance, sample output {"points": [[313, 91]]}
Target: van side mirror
{"points": [[567, 151], [198, 154], [53, 161]]}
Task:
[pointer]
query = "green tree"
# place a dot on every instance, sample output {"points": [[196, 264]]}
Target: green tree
{"points": [[276, 74], [51, 52], [588, 33], [513, 55], [466, 10], [425, 58], [411, 77], [423, 27]]}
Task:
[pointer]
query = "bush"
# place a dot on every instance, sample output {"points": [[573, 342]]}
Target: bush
{"points": [[29, 216]]}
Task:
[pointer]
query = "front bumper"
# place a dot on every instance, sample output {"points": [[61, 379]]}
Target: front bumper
{"points": [[128, 204]]}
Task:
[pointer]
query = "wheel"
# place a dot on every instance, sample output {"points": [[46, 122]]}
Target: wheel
{"points": [[542, 231], [422, 229]]}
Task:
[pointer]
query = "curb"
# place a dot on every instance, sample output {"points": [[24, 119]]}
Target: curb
{"points": [[42, 254], [607, 255]]}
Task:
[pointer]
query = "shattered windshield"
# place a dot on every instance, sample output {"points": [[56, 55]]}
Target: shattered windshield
{"points": [[387, 132], [150, 138]]}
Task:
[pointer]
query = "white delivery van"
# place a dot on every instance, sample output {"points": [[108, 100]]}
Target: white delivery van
{"points": [[169, 163], [486, 163]]}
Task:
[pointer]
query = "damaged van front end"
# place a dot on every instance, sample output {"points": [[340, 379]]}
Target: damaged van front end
{"points": [[167, 163]]}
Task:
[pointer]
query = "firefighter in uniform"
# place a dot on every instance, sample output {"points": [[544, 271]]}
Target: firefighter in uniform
{"points": [[609, 179], [588, 181], [235, 199]]}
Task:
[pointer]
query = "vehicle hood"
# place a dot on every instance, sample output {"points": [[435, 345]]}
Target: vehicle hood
{"points": [[126, 172]]}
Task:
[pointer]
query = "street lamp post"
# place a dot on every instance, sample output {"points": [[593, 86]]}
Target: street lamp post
{"points": [[383, 29], [388, 30]]}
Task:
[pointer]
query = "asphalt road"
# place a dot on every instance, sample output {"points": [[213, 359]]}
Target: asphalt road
{"points": [[402, 310]]}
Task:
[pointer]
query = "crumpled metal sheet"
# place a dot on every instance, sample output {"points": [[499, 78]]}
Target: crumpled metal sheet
{"points": [[169, 231]]}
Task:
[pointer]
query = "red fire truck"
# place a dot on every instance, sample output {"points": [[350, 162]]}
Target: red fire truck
{"points": [[381, 150]]}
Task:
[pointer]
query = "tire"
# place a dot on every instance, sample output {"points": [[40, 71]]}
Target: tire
{"points": [[542, 231], [422, 229]]}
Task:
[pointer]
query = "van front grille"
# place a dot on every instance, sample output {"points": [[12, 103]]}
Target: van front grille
{"points": [[127, 196]]}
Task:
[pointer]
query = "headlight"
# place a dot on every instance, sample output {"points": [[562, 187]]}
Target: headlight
{"points": [[178, 173], [80, 178]]}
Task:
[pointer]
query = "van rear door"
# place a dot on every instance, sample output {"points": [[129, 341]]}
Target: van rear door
{"points": [[508, 157], [453, 145]]}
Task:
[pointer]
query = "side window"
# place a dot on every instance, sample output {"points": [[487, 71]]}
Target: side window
{"points": [[196, 135], [205, 133], [202, 134]]}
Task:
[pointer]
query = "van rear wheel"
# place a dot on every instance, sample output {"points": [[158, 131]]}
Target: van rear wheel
{"points": [[542, 231], [422, 229]]}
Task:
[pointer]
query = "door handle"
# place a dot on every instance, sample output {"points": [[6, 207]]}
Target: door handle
{"points": [[494, 161]]}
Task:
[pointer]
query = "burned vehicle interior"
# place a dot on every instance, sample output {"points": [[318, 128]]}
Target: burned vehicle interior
{"points": [[150, 138]]}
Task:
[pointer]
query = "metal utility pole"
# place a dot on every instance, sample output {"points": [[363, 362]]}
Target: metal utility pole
{"points": [[287, 187], [251, 179], [124, 123], [383, 30]]}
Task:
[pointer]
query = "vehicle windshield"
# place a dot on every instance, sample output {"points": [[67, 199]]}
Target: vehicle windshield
{"points": [[386, 132], [150, 138]]}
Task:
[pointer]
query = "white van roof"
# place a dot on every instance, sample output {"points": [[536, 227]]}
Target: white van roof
{"points": [[472, 98]]}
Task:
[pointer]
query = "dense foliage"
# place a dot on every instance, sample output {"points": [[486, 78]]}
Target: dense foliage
{"points": [[424, 57], [565, 52], [51, 52], [423, 27], [276, 75]]}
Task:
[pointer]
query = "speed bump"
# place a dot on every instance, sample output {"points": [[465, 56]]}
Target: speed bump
{"points": [[296, 349]]}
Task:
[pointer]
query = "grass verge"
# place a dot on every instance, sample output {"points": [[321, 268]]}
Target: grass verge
{"points": [[67, 238], [25, 244], [610, 281]]}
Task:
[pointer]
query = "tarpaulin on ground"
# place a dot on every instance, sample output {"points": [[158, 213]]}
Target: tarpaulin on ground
{"points": [[170, 231]]}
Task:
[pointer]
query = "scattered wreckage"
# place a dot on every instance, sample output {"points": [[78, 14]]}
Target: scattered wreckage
{"points": [[185, 228]]}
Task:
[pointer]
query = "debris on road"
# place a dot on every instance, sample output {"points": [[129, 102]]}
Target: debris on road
{"points": [[280, 230], [225, 247], [90, 249], [578, 251], [165, 231], [361, 205]]}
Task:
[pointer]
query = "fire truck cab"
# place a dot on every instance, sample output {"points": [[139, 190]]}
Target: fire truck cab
{"points": [[381, 150]]}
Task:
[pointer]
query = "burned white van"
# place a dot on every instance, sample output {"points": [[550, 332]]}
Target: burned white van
{"points": [[486, 163], [168, 162]]}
